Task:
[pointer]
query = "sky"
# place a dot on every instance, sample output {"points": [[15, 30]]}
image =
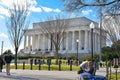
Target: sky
{"points": [[39, 10]]}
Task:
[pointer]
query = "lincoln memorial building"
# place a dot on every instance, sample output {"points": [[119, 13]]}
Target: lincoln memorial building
{"points": [[78, 30]]}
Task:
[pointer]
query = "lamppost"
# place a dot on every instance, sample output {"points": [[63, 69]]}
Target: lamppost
{"points": [[2, 47], [77, 51], [92, 27]]}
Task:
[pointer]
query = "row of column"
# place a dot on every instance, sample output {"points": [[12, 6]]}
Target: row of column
{"points": [[40, 41]]}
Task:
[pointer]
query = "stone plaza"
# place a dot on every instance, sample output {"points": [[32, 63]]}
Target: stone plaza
{"points": [[43, 75]]}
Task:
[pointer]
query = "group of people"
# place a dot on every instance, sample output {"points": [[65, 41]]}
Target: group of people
{"points": [[86, 69], [5, 59]]}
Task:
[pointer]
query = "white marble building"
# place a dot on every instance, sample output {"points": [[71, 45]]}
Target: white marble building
{"points": [[79, 29]]}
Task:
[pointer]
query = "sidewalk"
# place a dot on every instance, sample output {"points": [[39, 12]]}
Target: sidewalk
{"points": [[42, 75]]}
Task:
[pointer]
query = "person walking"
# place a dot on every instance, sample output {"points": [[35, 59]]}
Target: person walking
{"points": [[8, 59], [1, 63]]}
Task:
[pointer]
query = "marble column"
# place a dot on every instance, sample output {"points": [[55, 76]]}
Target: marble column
{"points": [[43, 42], [25, 40], [38, 41], [89, 34], [33, 42], [29, 42], [61, 46], [41, 38], [73, 40], [86, 40], [79, 40], [67, 40], [49, 42]]}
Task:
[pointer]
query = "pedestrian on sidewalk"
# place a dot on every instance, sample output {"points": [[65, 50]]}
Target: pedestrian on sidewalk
{"points": [[1, 63], [8, 59]]}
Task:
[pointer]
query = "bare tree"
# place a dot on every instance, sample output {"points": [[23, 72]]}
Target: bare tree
{"points": [[110, 6], [112, 26], [76, 5], [16, 22], [54, 30]]}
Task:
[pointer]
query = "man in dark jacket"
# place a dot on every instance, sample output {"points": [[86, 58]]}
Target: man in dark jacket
{"points": [[8, 59]]}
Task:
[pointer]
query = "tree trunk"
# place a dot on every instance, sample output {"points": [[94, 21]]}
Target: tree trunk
{"points": [[56, 55], [16, 50]]}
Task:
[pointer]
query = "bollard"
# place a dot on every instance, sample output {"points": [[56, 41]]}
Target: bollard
{"points": [[31, 64], [70, 65], [49, 63], [23, 65], [35, 61], [39, 64], [49, 67], [60, 65]]}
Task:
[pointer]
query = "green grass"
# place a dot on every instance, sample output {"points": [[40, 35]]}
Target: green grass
{"points": [[113, 76], [45, 67]]}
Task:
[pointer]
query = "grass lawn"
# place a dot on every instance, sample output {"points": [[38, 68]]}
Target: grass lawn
{"points": [[113, 76], [45, 67]]}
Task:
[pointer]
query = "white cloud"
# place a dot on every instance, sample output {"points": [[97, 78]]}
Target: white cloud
{"points": [[35, 9], [57, 10], [86, 12], [5, 4], [1, 17], [8, 3], [47, 9], [2, 35], [3, 11]]}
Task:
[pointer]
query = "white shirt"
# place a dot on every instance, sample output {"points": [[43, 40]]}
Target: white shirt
{"points": [[84, 65]]}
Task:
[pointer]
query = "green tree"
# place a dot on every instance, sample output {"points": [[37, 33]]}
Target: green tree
{"points": [[106, 49], [88, 57], [116, 48], [112, 51]]}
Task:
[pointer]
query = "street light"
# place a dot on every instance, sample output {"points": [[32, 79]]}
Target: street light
{"points": [[77, 51], [92, 27], [2, 47]]}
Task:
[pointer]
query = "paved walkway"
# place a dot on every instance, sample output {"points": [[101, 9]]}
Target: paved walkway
{"points": [[42, 75]]}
